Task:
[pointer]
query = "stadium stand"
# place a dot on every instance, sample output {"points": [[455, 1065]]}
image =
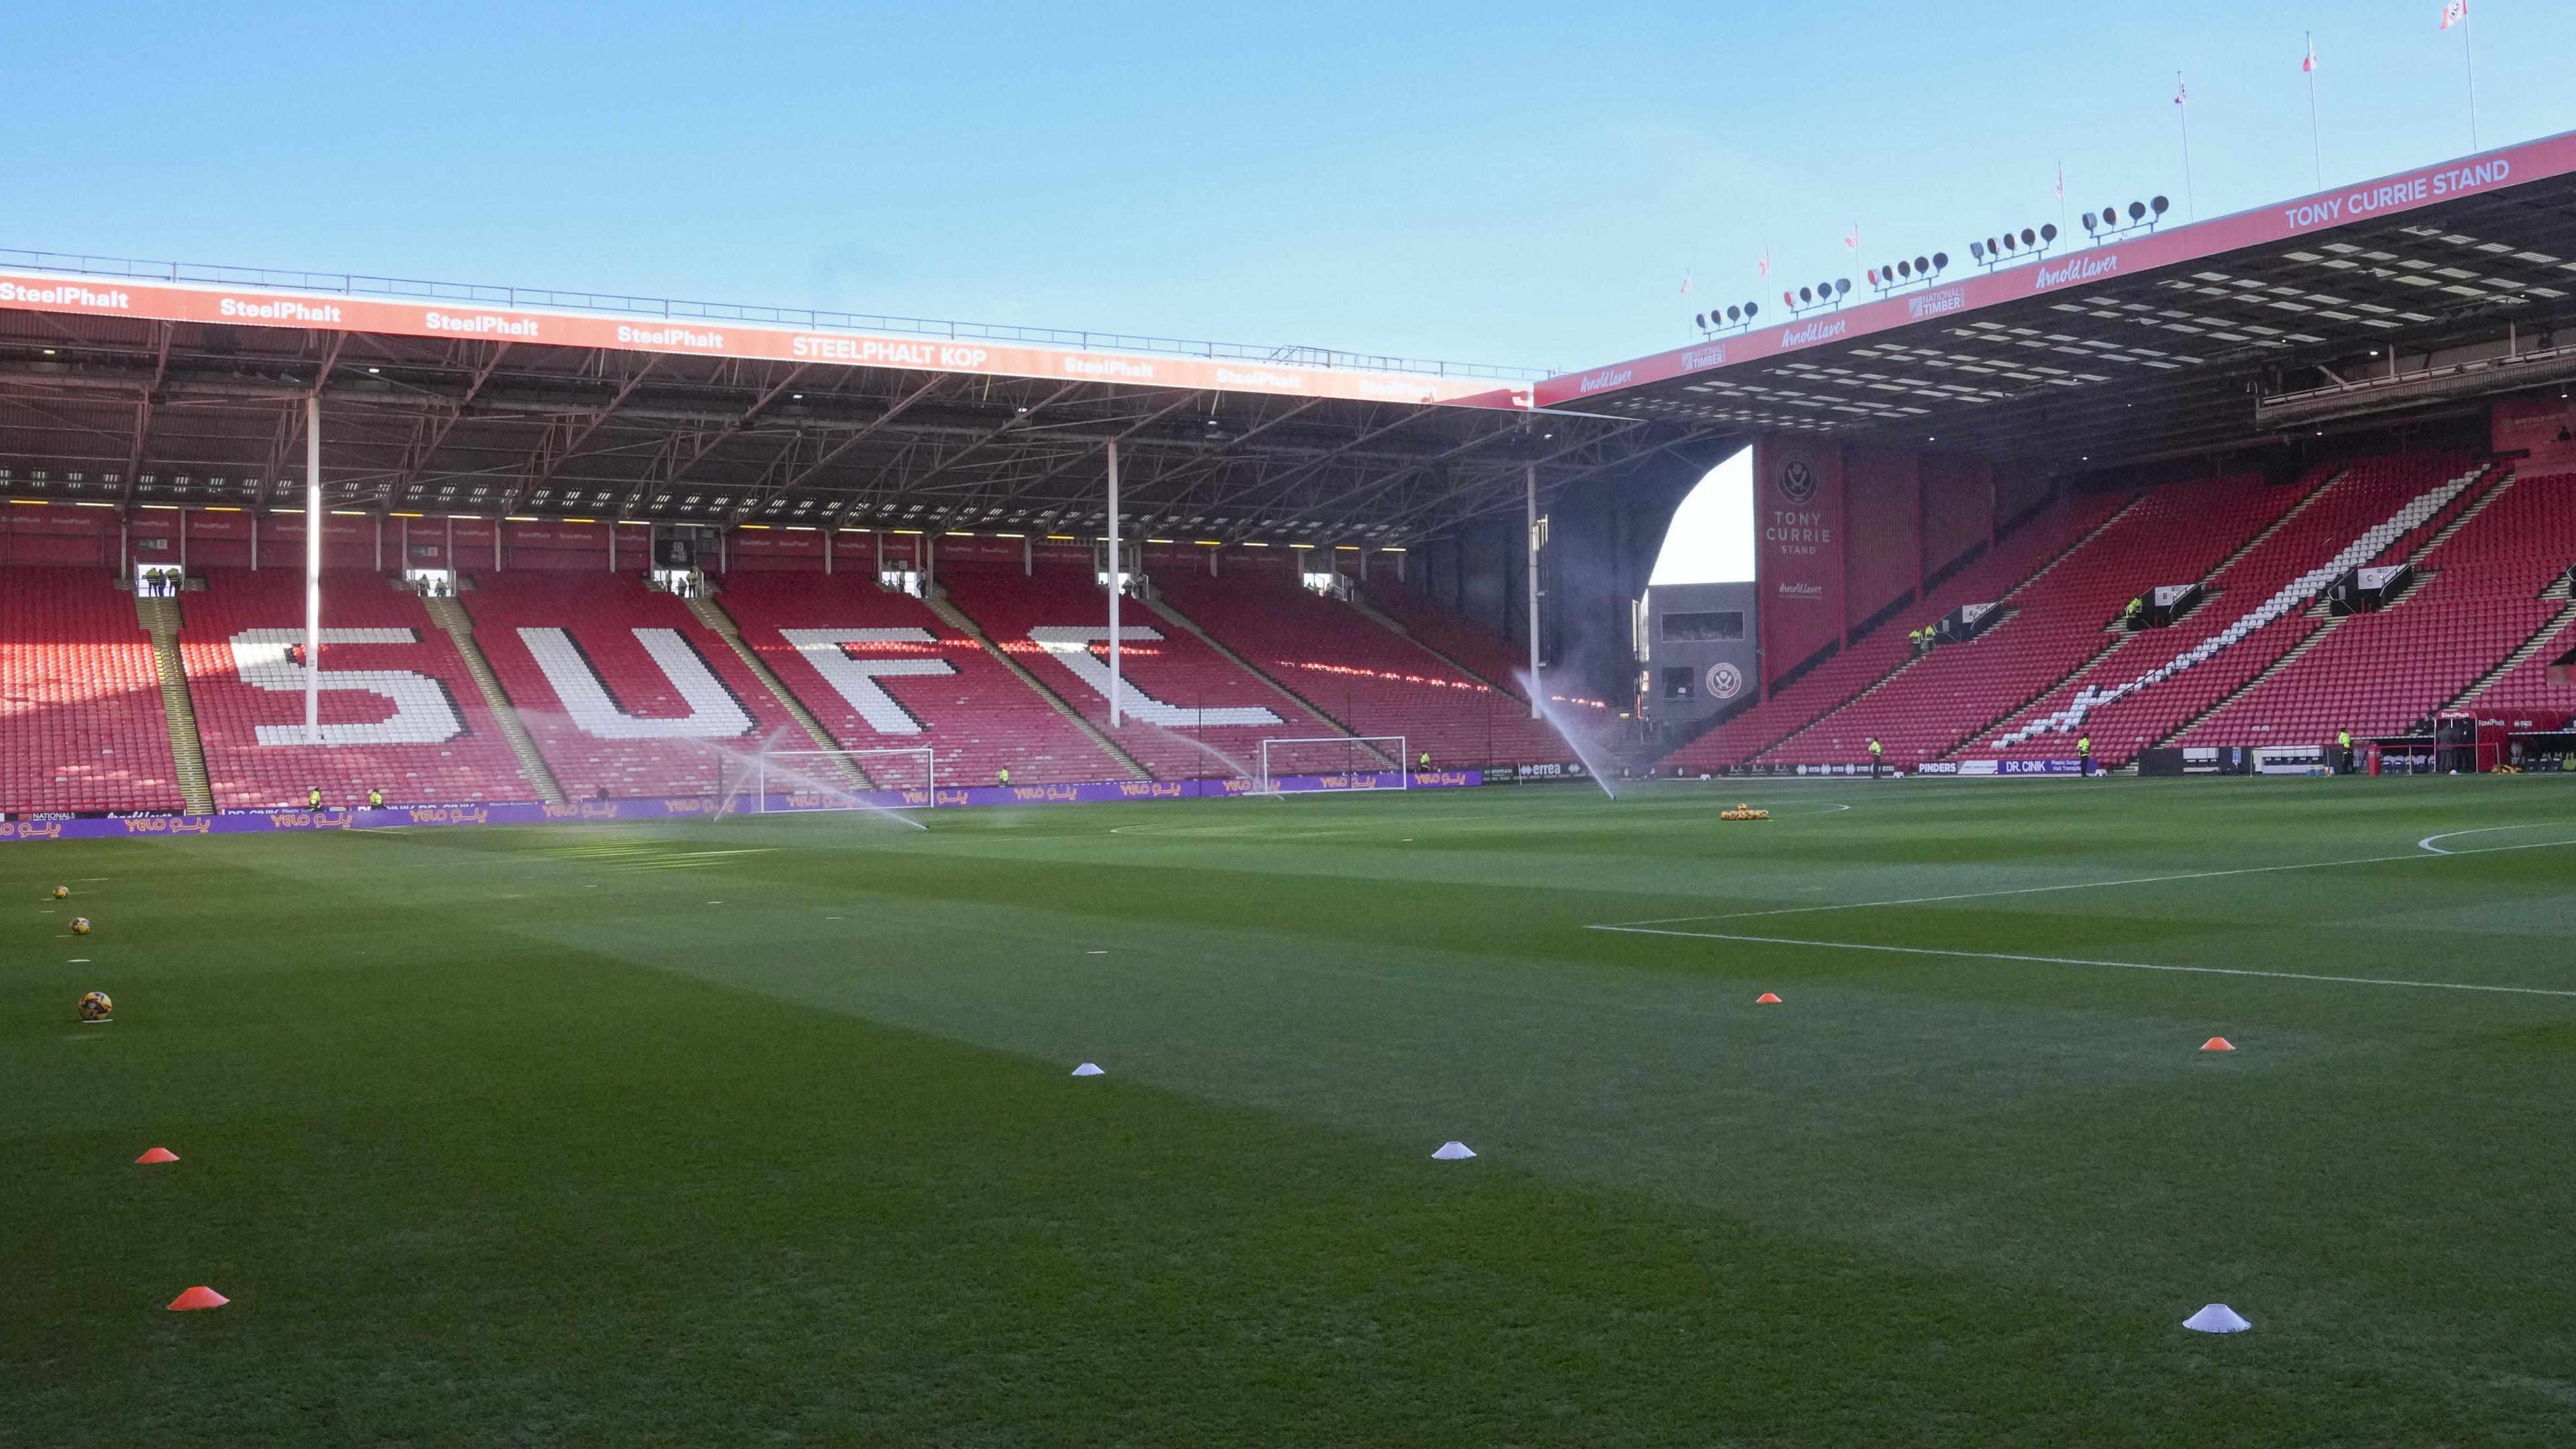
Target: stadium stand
{"points": [[1488, 655], [81, 723], [882, 670], [2057, 626], [1188, 711], [1883, 652], [1363, 675], [623, 690], [2386, 672], [398, 710], [2256, 611]]}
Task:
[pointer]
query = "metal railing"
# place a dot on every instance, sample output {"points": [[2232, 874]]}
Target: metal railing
{"points": [[355, 284]]}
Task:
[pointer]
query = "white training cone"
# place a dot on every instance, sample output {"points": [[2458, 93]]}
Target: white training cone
{"points": [[1452, 1152], [2217, 1318], [1089, 1069]]}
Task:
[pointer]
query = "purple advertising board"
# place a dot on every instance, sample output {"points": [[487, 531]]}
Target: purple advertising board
{"points": [[700, 807]]}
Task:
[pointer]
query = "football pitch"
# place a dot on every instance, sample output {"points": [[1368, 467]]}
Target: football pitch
{"points": [[764, 1130]]}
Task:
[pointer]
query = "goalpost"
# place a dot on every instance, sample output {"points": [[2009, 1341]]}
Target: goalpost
{"points": [[1337, 762], [831, 779]]}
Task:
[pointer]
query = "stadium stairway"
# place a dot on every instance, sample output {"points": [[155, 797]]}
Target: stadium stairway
{"points": [[1882, 656], [458, 625], [1360, 676], [957, 619], [2483, 595], [2374, 509], [2329, 624], [160, 621], [712, 614], [2515, 666], [1444, 637], [1185, 623]]}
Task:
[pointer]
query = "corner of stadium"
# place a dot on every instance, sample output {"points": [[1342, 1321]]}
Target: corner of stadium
{"points": [[679, 872]]}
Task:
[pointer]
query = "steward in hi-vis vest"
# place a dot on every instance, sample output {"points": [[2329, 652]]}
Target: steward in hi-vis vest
{"points": [[1876, 751], [2084, 754]]}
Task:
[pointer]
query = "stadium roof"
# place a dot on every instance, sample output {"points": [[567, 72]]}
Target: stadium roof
{"points": [[2386, 298], [151, 382]]}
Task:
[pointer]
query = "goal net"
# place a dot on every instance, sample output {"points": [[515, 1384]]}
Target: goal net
{"points": [[1340, 762], [838, 779]]}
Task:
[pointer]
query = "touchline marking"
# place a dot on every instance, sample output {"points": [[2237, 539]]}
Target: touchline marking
{"points": [[2087, 961], [2427, 853]]}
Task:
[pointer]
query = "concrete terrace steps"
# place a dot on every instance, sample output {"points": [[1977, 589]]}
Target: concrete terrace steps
{"points": [[450, 617], [712, 614], [957, 619], [160, 619], [1918, 656]]}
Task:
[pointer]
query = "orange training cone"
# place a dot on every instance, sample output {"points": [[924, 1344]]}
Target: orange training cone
{"points": [[1766, 999], [159, 1154], [200, 1296], [2218, 1044]]}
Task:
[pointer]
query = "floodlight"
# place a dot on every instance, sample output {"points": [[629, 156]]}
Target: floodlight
{"points": [[2160, 205], [1905, 269], [2009, 243], [1939, 260], [1698, 320], [1750, 308], [1977, 249], [2027, 237], [1842, 286], [2048, 232], [2088, 221], [1806, 294], [1733, 313], [2137, 211]]}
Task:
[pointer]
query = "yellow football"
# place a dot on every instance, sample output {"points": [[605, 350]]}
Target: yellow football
{"points": [[94, 1006], [61, 891], [80, 925]]}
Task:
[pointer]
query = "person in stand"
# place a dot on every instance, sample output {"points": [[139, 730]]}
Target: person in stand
{"points": [[375, 798], [1425, 764], [313, 798], [2084, 754], [1877, 752], [2129, 615], [1002, 776], [2343, 742]]}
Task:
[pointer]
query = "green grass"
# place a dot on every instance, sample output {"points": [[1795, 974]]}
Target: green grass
{"points": [[761, 1131]]}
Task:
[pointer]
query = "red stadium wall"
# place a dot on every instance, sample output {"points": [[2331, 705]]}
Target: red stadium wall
{"points": [[1882, 505], [1958, 508], [1798, 562]]}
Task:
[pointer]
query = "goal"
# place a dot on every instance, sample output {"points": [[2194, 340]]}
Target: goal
{"points": [[835, 779], [1339, 762]]}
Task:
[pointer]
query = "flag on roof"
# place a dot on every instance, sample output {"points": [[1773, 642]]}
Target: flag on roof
{"points": [[2455, 12], [1685, 284], [2311, 62], [2182, 93]]}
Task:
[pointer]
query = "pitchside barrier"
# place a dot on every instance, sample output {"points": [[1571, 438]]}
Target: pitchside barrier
{"points": [[54, 826]]}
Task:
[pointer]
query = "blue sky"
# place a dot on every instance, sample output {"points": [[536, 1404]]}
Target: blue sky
{"points": [[1491, 182]]}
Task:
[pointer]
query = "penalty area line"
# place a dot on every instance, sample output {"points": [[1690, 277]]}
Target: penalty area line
{"points": [[2087, 961]]}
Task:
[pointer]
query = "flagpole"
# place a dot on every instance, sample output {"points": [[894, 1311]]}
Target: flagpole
{"points": [[2182, 103], [2316, 147], [2470, 60]]}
